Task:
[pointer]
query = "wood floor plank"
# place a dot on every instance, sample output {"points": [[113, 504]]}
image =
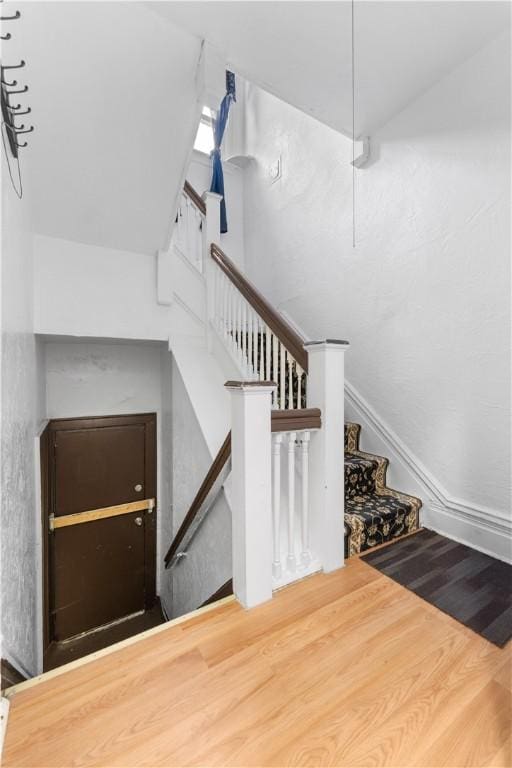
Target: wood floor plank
{"points": [[341, 669], [480, 731]]}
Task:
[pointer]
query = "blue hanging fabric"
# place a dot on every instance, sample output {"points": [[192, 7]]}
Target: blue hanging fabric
{"points": [[219, 126]]}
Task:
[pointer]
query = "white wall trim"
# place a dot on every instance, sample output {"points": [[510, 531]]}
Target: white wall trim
{"points": [[179, 301], [193, 269], [482, 528], [203, 159], [4, 716]]}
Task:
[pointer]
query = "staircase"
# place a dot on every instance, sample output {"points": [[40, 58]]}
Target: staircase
{"points": [[374, 513], [237, 334]]}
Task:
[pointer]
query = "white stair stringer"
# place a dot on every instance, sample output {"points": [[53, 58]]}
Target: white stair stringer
{"points": [[204, 380]]}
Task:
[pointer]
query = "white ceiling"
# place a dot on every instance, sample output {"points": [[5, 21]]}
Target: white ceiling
{"points": [[114, 104], [301, 51]]}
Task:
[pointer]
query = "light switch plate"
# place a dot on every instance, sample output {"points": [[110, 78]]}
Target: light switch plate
{"points": [[276, 170]]}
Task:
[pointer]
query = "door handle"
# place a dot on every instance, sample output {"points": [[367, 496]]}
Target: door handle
{"points": [[137, 487], [138, 521]]}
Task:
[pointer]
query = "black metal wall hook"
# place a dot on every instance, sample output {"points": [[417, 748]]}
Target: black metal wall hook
{"points": [[20, 129], [13, 83], [14, 111], [25, 144], [14, 66], [6, 37], [23, 90], [11, 18]]}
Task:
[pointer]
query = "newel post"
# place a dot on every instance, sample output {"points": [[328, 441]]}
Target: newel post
{"points": [[325, 390], [212, 235], [251, 469]]}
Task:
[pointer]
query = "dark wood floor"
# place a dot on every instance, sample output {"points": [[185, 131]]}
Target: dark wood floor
{"points": [[62, 653], [468, 585]]}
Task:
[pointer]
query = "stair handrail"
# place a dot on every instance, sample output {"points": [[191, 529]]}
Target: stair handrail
{"points": [[287, 335], [195, 197], [281, 421], [201, 497]]}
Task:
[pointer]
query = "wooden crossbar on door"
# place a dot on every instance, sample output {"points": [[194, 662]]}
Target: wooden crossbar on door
{"points": [[99, 514]]}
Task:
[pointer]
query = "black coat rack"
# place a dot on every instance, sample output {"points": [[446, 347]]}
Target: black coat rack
{"points": [[9, 87]]}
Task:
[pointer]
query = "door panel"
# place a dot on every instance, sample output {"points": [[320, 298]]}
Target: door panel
{"points": [[102, 570], [98, 573], [98, 467]]}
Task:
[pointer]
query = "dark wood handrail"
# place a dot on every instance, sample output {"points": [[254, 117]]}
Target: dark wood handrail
{"points": [[291, 420], [295, 419], [207, 484], [287, 335], [196, 198]]}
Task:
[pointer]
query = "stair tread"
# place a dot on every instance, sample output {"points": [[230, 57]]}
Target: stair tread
{"points": [[374, 513]]}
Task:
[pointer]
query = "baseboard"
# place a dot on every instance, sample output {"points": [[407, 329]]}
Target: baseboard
{"points": [[479, 527], [469, 529], [4, 714], [10, 692]]}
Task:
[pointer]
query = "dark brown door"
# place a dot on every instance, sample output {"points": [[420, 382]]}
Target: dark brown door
{"points": [[101, 565]]}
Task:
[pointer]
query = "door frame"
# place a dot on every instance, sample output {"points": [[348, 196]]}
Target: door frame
{"points": [[47, 448]]}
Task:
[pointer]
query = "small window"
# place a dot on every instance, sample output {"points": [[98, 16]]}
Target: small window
{"points": [[204, 137]]}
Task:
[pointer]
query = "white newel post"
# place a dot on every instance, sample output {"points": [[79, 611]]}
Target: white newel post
{"points": [[251, 473], [212, 235], [325, 390]]}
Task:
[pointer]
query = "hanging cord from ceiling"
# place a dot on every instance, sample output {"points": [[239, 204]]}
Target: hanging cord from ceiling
{"points": [[17, 185]]}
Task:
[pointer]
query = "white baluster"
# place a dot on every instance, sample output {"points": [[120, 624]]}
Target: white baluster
{"points": [[187, 238], [225, 297], [239, 325], [276, 505], [244, 335], [179, 223], [261, 359], [235, 320], [299, 385], [290, 382], [290, 559], [275, 355], [250, 339], [267, 353], [199, 241], [304, 444], [230, 315], [254, 343], [282, 374]]}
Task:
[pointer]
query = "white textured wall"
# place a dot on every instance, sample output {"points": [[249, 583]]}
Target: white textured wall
{"points": [[86, 290], [97, 378], [424, 298], [22, 398], [208, 563]]}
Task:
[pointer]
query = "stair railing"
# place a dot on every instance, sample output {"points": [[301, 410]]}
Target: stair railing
{"points": [[300, 424], [278, 534], [265, 346], [189, 232]]}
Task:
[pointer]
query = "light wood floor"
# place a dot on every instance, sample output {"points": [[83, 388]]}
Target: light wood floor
{"points": [[348, 669]]}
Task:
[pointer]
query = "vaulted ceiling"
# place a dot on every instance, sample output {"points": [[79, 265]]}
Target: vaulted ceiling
{"points": [[114, 93], [301, 51], [114, 105]]}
